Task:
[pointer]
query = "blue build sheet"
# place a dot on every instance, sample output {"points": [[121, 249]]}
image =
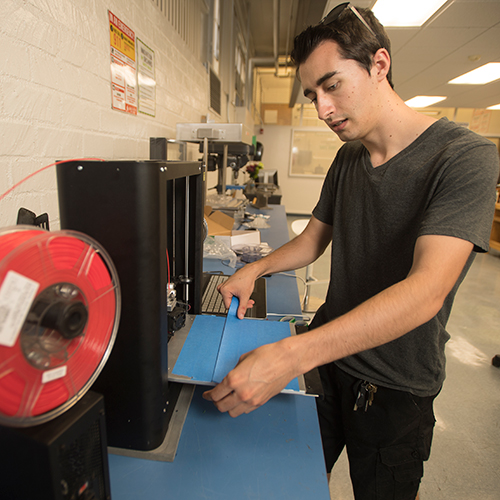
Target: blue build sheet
{"points": [[214, 345], [272, 453], [200, 350]]}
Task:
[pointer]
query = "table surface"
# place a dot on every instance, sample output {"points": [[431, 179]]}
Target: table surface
{"points": [[275, 452]]}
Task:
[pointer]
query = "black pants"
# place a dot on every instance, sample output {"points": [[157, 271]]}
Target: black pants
{"points": [[386, 445]]}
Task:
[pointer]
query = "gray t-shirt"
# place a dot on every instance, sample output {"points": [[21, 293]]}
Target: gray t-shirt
{"points": [[443, 183]]}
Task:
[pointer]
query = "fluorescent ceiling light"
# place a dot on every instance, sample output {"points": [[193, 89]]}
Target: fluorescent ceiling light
{"points": [[495, 106], [479, 76], [422, 101], [404, 12]]}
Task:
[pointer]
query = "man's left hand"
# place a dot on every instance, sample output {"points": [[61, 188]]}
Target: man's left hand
{"points": [[259, 375]]}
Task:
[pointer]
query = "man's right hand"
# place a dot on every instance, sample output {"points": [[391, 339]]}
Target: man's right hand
{"points": [[240, 285]]}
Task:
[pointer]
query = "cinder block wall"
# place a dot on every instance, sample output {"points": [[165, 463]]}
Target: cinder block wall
{"points": [[55, 92]]}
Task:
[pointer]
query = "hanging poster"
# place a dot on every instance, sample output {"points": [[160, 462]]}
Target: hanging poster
{"points": [[123, 66], [146, 83], [480, 122]]}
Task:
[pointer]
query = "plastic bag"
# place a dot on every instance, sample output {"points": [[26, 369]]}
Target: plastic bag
{"points": [[248, 253], [214, 248]]}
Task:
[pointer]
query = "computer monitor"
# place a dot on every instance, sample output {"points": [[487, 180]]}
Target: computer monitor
{"points": [[268, 176]]}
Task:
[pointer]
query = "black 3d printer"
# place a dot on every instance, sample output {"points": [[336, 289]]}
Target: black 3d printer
{"points": [[149, 216]]}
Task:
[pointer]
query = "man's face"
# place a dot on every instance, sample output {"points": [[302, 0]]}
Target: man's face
{"points": [[343, 92]]}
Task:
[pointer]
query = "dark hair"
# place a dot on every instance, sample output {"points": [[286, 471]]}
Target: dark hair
{"points": [[352, 37]]}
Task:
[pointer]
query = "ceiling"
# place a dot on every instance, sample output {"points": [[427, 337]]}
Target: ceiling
{"points": [[462, 36]]}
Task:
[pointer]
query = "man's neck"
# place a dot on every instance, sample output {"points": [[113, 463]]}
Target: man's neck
{"points": [[397, 127]]}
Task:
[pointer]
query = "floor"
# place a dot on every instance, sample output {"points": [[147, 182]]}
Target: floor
{"points": [[465, 458]]}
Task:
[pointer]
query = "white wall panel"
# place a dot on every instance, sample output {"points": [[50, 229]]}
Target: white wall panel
{"points": [[55, 90]]}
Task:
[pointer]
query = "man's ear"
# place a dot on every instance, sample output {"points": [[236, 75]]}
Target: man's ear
{"points": [[381, 64]]}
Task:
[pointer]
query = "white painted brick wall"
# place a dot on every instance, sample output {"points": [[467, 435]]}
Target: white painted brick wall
{"points": [[55, 96]]}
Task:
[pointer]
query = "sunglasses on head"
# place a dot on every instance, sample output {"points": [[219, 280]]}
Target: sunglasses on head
{"points": [[334, 14]]}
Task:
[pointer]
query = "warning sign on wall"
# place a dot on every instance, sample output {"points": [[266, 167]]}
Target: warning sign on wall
{"points": [[123, 66]]}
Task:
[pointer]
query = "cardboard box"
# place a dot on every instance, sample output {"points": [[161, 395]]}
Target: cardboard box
{"points": [[241, 238], [218, 222], [221, 225]]}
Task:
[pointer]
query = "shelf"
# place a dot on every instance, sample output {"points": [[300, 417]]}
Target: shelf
{"points": [[495, 245]]}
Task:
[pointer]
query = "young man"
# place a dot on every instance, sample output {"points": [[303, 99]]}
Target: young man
{"points": [[405, 204]]}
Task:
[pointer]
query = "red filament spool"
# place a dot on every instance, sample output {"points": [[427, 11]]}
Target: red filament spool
{"points": [[68, 323]]}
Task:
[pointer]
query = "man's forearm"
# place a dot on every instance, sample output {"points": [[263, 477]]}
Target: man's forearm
{"points": [[381, 319], [289, 257], [393, 312], [297, 253]]}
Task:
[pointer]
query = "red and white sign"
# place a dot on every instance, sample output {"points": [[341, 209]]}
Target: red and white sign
{"points": [[123, 66]]}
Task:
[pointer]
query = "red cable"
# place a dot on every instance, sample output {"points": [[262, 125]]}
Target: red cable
{"points": [[41, 170], [168, 267]]}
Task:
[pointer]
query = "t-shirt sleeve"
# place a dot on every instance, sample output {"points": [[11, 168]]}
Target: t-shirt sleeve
{"points": [[463, 203], [323, 209]]}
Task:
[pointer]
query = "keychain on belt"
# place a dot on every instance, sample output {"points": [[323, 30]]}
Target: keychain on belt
{"points": [[366, 393]]}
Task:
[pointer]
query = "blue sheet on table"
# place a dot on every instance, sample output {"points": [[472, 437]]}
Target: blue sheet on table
{"points": [[215, 344]]}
